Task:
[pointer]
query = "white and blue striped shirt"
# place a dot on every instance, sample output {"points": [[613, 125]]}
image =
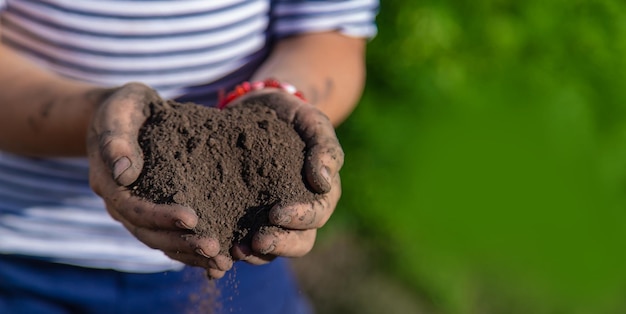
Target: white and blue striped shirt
{"points": [[183, 48]]}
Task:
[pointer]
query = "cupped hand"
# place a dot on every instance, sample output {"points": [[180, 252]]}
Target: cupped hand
{"points": [[324, 158], [116, 161]]}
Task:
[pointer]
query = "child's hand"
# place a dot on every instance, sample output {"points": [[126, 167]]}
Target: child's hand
{"points": [[116, 161], [324, 159]]}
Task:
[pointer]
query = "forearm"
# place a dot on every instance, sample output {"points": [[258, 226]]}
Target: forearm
{"points": [[327, 67], [42, 114]]}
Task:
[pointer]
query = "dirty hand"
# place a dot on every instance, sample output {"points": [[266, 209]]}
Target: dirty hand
{"points": [[324, 158], [116, 161]]}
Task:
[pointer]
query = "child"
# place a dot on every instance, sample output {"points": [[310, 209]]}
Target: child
{"points": [[66, 68]]}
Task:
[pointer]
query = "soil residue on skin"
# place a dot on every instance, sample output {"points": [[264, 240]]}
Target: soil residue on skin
{"points": [[232, 166]]}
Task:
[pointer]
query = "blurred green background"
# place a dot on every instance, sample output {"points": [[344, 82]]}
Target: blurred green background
{"points": [[486, 164]]}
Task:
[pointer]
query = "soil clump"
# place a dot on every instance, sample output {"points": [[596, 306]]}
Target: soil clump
{"points": [[231, 166]]}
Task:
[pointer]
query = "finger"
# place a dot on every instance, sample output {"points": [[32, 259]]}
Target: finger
{"points": [[311, 215], [222, 262], [174, 241], [218, 261], [283, 242], [190, 259], [243, 252], [215, 273], [259, 259], [325, 156], [137, 211], [117, 127], [144, 213], [201, 261]]}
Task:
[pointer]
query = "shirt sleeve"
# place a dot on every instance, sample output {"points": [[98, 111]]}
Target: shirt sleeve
{"points": [[354, 18]]}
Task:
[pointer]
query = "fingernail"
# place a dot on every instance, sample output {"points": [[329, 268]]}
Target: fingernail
{"points": [[282, 219], [326, 175], [201, 252], [182, 225], [120, 166], [269, 249]]}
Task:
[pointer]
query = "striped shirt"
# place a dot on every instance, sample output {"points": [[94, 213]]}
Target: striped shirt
{"points": [[188, 49]]}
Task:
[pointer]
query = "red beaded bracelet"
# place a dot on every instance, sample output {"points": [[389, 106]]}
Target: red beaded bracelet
{"points": [[247, 87]]}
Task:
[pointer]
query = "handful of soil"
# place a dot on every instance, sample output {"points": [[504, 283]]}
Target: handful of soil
{"points": [[231, 166]]}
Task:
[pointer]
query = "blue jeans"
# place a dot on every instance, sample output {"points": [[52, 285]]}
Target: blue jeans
{"points": [[29, 285]]}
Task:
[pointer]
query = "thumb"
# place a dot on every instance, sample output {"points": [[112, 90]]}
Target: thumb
{"points": [[117, 125]]}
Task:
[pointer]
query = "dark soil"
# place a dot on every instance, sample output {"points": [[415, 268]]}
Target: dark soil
{"points": [[232, 166]]}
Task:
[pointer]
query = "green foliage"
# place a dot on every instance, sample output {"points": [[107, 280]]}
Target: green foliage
{"points": [[487, 159]]}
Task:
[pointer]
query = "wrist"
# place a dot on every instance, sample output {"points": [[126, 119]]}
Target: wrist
{"points": [[70, 111], [246, 89], [81, 103]]}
